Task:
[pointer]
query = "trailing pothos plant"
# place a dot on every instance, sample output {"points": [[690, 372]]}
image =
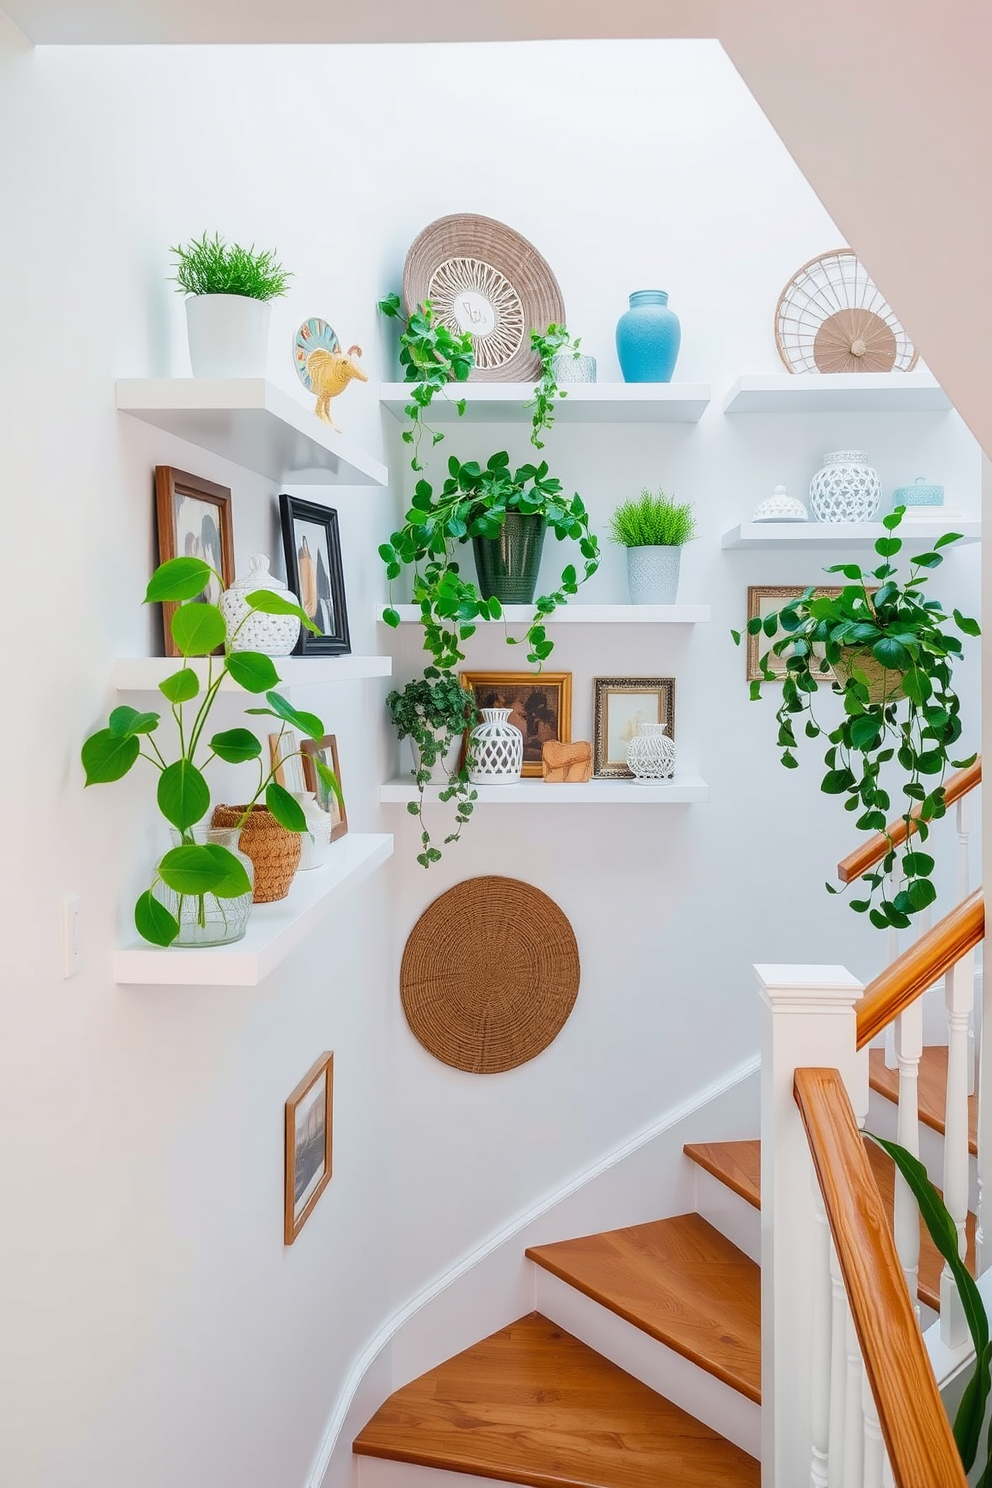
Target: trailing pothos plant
{"points": [[199, 629], [434, 710], [892, 659], [475, 499]]}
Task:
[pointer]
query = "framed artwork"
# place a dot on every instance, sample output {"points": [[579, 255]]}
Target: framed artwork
{"points": [[325, 749], [313, 569], [765, 599], [194, 521], [286, 762], [540, 706], [308, 1145], [620, 705]]}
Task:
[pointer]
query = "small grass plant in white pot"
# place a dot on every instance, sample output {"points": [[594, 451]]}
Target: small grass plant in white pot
{"points": [[654, 529], [229, 292]]}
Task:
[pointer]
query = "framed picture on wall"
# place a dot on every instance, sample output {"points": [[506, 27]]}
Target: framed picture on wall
{"points": [[313, 568], [287, 762], [540, 707], [620, 706], [767, 599], [309, 1124], [194, 521], [325, 750]]}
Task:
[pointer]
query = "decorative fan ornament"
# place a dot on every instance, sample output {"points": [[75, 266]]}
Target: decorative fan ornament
{"points": [[831, 318]]}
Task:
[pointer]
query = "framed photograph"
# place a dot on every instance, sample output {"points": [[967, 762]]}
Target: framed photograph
{"points": [[620, 705], [766, 599], [308, 1145], [313, 569], [325, 749], [540, 705], [194, 521], [284, 752]]}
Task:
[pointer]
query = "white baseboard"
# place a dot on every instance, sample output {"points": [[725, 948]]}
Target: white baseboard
{"points": [[380, 1472]]}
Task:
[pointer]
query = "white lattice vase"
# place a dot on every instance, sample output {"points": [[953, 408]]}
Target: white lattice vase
{"points": [[846, 489], [496, 749], [651, 754]]}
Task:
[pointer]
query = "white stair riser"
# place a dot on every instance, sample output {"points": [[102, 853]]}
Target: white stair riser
{"points": [[727, 1212], [380, 1472], [882, 1120], [717, 1405]]}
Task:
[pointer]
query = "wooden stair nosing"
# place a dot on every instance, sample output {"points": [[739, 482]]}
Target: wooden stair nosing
{"points": [[931, 1089], [737, 1165]]}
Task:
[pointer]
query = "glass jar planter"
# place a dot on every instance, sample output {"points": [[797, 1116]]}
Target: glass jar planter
{"points": [[207, 919]]}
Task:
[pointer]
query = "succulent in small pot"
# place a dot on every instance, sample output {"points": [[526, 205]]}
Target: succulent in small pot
{"points": [[654, 529], [229, 289], [888, 652], [433, 712]]}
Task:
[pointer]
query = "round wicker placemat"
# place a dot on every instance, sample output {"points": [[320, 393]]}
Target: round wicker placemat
{"points": [[489, 975]]}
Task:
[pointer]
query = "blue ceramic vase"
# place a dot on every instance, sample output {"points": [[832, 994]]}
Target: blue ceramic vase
{"points": [[648, 338]]}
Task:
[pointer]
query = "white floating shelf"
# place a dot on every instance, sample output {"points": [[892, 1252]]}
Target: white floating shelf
{"points": [[254, 424], [682, 789], [144, 673], [274, 930], [586, 403], [838, 536], [838, 392], [585, 614]]}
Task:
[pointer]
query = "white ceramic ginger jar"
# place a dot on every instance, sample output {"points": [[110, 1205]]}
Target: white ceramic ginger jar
{"points": [[846, 489], [251, 630]]}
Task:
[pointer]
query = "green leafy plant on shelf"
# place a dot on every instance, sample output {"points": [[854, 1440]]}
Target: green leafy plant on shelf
{"points": [[199, 629], [434, 711], [893, 661], [209, 266], [475, 499], [653, 520]]}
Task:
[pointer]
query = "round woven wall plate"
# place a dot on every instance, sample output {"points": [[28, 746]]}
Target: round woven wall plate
{"points": [[831, 318], [489, 975], [483, 277]]}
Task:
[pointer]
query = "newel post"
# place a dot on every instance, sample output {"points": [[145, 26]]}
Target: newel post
{"points": [[808, 1019]]}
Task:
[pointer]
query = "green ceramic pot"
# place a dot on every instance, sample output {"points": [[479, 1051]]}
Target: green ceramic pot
{"points": [[508, 565]]}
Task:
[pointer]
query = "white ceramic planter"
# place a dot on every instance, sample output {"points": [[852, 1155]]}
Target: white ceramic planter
{"points": [[653, 575], [228, 335], [445, 766]]}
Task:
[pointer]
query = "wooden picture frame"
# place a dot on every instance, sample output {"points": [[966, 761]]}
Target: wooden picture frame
{"points": [[541, 701], [312, 546], [764, 599], [309, 1131], [619, 705], [286, 762], [193, 517], [327, 748]]}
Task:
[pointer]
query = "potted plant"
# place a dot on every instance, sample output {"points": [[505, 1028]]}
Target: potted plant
{"points": [[892, 659], [503, 510], [433, 712], [654, 529], [229, 291], [202, 890]]}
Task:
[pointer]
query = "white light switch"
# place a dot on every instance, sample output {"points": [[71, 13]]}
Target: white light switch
{"points": [[72, 914]]}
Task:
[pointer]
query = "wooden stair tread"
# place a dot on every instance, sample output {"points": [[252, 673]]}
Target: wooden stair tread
{"points": [[736, 1164], [932, 1089], [531, 1404], [680, 1281]]}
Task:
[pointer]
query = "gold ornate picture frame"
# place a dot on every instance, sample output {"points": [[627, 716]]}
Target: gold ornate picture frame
{"points": [[620, 704]]}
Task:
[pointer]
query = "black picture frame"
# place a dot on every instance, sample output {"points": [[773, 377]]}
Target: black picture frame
{"points": [[318, 591]]}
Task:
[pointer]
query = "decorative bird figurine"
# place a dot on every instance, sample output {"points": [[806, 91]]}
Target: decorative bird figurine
{"points": [[322, 367]]}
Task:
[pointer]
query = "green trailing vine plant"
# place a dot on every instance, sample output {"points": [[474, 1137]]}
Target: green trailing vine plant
{"points": [[434, 710], [474, 500], [893, 658]]}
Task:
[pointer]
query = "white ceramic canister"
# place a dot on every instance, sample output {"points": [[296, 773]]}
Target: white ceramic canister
{"points": [[273, 635], [315, 842]]}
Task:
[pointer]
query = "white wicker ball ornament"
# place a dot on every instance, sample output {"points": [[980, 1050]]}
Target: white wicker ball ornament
{"points": [[651, 754], [846, 489], [779, 507], [495, 750]]}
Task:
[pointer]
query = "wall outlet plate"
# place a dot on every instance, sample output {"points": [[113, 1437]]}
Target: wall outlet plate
{"points": [[72, 914]]}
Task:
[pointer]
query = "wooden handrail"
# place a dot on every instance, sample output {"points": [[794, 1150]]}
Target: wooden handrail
{"points": [[924, 963], [873, 849], [912, 1417]]}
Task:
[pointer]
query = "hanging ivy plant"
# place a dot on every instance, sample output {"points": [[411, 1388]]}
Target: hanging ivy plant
{"points": [[434, 711], [893, 659]]}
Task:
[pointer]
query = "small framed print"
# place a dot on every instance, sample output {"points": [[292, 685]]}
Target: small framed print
{"points": [[540, 707], [309, 1122], [194, 521], [766, 599], [620, 706], [313, 568], [326, 750], [287, 762]]}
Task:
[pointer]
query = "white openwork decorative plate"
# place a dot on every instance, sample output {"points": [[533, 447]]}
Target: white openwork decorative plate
{"points": [[481, 276], [831, 318]]}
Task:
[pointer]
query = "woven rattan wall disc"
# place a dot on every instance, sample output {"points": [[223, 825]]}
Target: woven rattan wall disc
{"points": [[489, 975], [830, 317]]}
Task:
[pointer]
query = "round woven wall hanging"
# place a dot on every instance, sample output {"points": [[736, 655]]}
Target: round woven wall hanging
{"points": [[831, 318], [489, 975], [481, 276]]}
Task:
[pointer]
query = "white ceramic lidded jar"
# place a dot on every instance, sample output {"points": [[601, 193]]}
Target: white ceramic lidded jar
{"points": [[251, 630], [496, 749], [846, 489]]}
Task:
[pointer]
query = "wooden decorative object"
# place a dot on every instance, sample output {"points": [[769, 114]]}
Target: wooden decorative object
{"points": [[309, 1131], [567, 764], [831, 318], [483, 277], [489, 975]]}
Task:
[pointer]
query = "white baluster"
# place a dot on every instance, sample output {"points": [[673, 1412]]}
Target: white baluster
{"points": [[891, 954], [963, 815], [983, 1234], [874, 1447], [838, 1372], [854, 1428], [820, 1369], [909, 1048], [959, 994]]}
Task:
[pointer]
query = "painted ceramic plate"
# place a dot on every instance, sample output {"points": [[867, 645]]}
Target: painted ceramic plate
{"points": [[313, 333]]}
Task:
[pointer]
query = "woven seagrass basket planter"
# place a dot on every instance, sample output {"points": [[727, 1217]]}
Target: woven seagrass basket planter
{"points": [[274, 851], [883, 686]]}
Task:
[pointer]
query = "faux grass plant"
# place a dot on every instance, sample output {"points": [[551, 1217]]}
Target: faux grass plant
{"points": [[209, 266], [653, 520]]}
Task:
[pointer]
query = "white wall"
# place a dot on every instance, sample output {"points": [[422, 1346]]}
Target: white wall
{"points": [[156, 1330]]}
